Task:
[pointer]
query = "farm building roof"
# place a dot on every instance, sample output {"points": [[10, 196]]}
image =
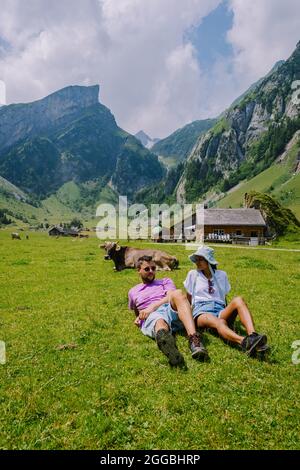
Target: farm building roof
{"points": [[65, 231], [233, 217], [236, 217]]}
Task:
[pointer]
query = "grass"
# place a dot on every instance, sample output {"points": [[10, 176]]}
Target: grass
{"points": [[259, 183], [278, 180], [51, 210], [221, 126], [289, 194], [63, 206], [115, 390], [170, 161]]}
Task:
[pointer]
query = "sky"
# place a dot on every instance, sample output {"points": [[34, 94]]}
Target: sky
{"points": [[160, 64]]}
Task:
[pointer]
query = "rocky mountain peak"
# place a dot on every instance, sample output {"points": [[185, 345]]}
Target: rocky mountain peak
{"points": [[81, 96], [147, 141], [22, 120], [249, 136]]}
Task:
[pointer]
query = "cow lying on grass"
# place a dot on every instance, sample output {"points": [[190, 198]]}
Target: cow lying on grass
{"points": [[127, 257]]}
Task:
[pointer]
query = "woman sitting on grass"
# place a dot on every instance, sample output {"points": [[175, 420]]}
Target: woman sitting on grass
{"points": [[207, 288]]}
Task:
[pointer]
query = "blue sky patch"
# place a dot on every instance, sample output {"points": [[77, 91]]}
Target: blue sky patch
{"points": [[209, 37]]}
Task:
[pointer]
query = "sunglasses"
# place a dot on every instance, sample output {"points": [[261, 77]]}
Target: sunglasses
{"points": [[211, 289], [148, 269]]}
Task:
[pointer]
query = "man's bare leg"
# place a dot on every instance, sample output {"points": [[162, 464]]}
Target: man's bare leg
{"points": [[181, 305], [161, 325]]}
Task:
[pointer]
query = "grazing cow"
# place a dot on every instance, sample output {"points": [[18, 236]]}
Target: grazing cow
{"points": [[127, 257], [15, 236]]}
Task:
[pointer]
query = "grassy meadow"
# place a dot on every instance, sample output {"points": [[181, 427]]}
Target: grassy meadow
{"points": [[279, 181], [114, 389]]}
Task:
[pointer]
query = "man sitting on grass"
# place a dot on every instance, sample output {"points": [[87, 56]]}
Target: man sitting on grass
{"points": [[161, 310]]}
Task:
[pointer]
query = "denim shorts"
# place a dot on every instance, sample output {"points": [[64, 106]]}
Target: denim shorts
{"points": [[209, 306], [166, 313]]}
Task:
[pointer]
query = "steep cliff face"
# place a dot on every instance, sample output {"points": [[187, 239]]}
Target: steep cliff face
{"points": [[249, 135], [67, 136], [19, 121]]}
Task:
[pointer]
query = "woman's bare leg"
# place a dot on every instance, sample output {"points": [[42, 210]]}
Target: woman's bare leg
{"points": [[207, 320], [240, 305]]}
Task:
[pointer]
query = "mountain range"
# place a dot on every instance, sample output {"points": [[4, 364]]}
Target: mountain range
{"points": [[248, 137], [254, 144], [147, 141], [176, 147], [69, 136], [64, 154]]}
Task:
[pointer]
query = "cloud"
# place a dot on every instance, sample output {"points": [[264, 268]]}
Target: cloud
{"points": [[50, 48], [176, 95], [263, 32], [138, 51], [133, 48]]}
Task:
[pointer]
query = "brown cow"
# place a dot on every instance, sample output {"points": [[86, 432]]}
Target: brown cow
{"points": [[15, 236], [127, 257]]}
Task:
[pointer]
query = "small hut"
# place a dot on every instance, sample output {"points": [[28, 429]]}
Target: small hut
{"points": [[57, 231]]}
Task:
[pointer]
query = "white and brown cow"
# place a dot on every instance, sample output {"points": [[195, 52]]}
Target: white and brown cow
{"points": [[15, 236], [127, 257]]}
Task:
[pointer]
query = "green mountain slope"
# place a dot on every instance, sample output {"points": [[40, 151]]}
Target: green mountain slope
{"points": [[256, 84], [71, 136], [248, 137], [71, 200], [175, 148], [279, 180]]}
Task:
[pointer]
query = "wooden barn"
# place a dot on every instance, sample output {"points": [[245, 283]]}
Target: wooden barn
{"points": [[240, 226], [57, 231]]}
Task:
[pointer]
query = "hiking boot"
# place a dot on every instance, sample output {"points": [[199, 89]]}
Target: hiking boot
{"points": [[254, 343], [263, 348], [166, 343], [197, 348]]}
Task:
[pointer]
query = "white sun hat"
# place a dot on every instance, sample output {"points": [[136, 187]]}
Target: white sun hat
{"points": [[207, 253]]}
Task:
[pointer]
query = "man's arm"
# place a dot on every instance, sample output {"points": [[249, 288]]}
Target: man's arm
{"points": [[143, 314], [137, 319], [154, 306]]}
